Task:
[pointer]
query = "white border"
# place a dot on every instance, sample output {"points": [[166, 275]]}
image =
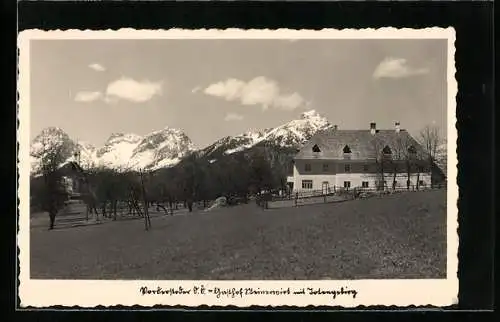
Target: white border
{"points": [[44, 293]]}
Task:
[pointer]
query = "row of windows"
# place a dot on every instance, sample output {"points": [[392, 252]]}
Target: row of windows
{"points": [[308, 184], [347, 168], [385, 150]]}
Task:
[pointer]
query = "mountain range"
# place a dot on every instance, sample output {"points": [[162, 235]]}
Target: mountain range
{"points": [[166, 147]]}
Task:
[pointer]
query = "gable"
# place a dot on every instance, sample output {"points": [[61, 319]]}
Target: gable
{"points": [[71, 169]]}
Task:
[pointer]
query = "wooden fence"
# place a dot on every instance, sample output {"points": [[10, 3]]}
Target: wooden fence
{"points": [[300, 198]]}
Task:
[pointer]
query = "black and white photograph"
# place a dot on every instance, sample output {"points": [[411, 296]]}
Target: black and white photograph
{"points": [[237, 167]]}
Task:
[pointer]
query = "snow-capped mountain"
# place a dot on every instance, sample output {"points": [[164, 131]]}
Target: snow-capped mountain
{"points": [[118, 150], [297, 132], [121, 151], [161, 149], [168, 146], [87, 154], [231, 144], [291, 134]]}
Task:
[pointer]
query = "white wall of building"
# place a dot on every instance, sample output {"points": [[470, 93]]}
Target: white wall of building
{"points": [[356, 180], [317, 181]]}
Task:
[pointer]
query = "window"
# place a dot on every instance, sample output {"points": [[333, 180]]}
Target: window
{"points": [[420, 168], [365, 168], [307, 184], [325, 167], [347, 168], [347, 184], [316, 148], [307, 167], [387, 150], [421, 183], [364, 184], [412, 150], [347, 152]]}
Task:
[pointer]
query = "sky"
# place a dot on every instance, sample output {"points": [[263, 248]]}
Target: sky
{"points": [[214, 88]]}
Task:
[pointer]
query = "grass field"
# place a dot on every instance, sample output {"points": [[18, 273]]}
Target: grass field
{"points": [[397, 236]]}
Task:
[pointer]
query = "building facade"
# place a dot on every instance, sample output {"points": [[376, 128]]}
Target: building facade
{"points": [[372, 159], [73, 178]]}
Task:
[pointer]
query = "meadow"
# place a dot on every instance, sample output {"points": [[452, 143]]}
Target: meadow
{"points": [[395, 236]]}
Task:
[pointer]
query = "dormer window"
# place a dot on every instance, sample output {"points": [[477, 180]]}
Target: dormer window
{"points": [[347, 152], [316, 148], [387, 153], [387, 150]]}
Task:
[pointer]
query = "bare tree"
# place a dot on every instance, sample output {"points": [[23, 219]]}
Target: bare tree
{"points": [[399, 156], [52, 194], [405, 152], [431, 140], [147, 219], [380, 161]]}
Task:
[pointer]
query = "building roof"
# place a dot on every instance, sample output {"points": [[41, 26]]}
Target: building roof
{"points": [[362, 144], [71, 168]]}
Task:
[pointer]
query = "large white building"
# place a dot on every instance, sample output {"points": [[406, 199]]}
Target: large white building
{"points": [[374, 159]]}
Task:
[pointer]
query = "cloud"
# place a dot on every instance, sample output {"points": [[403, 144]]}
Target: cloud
{"points": [[397, 68], [132, 90], [97, 67], [258, 91], [233, 117], [88, 96]]}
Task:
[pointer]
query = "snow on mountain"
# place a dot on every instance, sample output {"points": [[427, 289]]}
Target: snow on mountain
{"points": [[87, 155], [291, 134], [297, 132], [160, 149], [121, 151], [118, 150], [232, 144], [166, 147]]}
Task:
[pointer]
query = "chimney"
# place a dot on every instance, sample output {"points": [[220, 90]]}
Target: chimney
{"points": [[335, 127], [397, 127], [373, 128]]}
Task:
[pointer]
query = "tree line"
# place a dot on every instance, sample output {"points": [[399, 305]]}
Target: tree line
{"points": [[195, 179]]}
